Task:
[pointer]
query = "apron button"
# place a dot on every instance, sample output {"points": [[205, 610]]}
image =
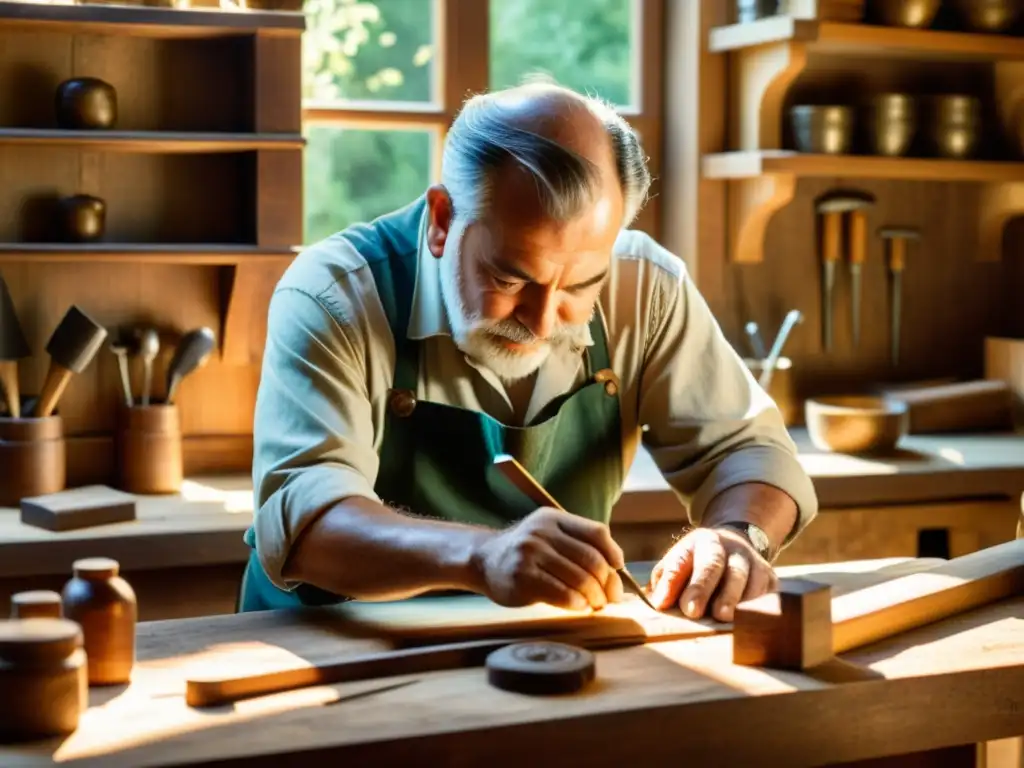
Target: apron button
{"points": [[607, 377], [403, 403], [611, 388]]}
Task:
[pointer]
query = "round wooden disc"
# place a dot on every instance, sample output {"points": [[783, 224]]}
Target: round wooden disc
{"points": [[29, 640], [540, 667], [95, 568]]}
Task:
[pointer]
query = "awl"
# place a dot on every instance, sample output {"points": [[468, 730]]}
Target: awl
{"points": [[525, 482], [832, 206], [897, 238]]}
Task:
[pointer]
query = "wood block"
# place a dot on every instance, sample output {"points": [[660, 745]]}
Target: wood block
{"points": [[791, 629], [78, 508]]}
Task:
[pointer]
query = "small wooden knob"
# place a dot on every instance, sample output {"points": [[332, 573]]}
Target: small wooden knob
{"points": [[37, 604], [96, 568]]}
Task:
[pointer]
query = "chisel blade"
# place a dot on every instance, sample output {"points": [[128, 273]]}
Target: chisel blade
{"points": [[828, 279], [855, 302], [897, 309]]}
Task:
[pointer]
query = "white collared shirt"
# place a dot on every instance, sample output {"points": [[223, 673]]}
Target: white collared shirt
{"points": [[330, 359]]}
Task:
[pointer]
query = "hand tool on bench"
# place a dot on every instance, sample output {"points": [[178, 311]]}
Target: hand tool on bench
{"points": [[801, 626], [897, 238], [147, 346], [766, 631], [13, 348], [192, 353], [527, 484], [832, 206], [72, 347]]}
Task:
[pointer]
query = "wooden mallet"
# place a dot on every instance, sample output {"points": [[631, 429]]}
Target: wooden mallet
{"points": [[13, 347], [72, 347]]}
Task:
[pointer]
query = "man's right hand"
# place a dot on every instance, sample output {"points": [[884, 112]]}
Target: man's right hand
{"points": [[552, 557]]}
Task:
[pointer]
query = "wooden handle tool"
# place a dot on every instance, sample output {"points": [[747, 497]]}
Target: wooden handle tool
{"points": [[72, 347], [13, 347], [858, 255], [897, 238], [832, 206], [526, 483], [147, 346], [192, 353]]}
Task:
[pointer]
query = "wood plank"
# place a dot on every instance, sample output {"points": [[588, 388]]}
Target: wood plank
{"points": [[209, 254], [753, 163], [947, 686], [867, 40], [167, 142]]}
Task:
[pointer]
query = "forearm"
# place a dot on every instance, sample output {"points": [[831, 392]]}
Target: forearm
{"points": [[765, 506], [364, 550]]}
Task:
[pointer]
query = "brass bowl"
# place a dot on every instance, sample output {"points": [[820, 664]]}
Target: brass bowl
{"points": [[891, 124], [987, 15], [825, 130], [86, 103], [856, 424], [954, 126], [916, 14]]}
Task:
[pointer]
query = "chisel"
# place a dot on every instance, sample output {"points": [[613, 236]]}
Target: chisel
{"points": [[858, 253], [525, 482], [897, 238]]}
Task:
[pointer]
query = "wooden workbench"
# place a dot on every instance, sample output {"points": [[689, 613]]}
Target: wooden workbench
{"points": [[185, 554], [955, 683]]}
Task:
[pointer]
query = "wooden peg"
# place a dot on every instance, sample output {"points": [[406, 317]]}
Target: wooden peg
{"points": [[790, 629]]}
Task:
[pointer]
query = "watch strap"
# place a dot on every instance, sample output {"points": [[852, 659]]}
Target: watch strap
{"points": [[755, 535]]}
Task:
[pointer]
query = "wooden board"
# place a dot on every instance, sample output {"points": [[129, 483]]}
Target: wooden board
{"points": [[76, 508], [944, 685]]}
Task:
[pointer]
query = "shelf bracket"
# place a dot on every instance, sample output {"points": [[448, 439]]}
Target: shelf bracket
{"points": [[761, 77], [752, 203], [245, 295], [999, 204]]}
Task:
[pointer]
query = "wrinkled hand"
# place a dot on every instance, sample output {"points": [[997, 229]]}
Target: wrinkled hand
{"points": [[710, 563], [552, 557]]}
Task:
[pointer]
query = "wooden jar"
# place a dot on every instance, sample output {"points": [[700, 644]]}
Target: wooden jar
{"points": [[104, 605], [149, 449], [32, 458], [37, 604], [43, 682]]}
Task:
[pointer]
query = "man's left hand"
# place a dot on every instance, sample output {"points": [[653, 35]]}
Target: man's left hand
{"points": [[713, 568]]}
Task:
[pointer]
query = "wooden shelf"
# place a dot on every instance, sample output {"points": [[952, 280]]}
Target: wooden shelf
{"points": [[152, 141], [187, 254], [866, 40], [761, 183], [144, 21]]}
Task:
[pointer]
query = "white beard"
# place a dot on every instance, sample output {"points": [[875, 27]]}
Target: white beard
{"points": [[480, 338]]}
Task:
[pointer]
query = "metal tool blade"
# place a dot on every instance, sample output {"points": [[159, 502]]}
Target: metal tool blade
{"points": [[897, 308], [828, 280], [756, 342], [855, 302]]}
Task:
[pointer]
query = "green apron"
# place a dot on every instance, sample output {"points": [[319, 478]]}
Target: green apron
{"points": [[436, 460]]}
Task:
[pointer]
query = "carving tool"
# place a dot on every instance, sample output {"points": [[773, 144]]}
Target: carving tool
{"points": [[858, 254], [72, 347], [13, 347], [832, 206], [756, 342], [791, 320], [120, 348], [192, 353], [897, 238], [147, 346], [525, 482]]}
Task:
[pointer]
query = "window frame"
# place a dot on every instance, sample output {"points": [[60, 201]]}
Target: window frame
{"points": [[462, 67]]}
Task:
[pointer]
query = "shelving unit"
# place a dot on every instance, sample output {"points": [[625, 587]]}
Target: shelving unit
{"points": [[767, 57], [205, 167]]}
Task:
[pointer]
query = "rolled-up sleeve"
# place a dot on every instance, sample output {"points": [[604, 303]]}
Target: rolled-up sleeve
{"points": [[709, 425], [313, 429]]}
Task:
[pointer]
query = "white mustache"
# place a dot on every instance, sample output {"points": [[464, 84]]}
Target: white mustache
{"points": [[515, 331]]}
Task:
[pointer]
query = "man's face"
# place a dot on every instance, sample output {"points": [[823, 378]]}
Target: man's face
{"points": [[516, 284]]}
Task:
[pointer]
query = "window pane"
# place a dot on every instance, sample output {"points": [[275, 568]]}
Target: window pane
{"points": [[583, 44], [357, 175], [376, 50]]}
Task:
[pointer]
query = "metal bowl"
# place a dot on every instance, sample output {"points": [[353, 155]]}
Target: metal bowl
{"points": [[856, 424], [891, 124], [917, 14], [955, 125], [987, 15], [826, 129]]}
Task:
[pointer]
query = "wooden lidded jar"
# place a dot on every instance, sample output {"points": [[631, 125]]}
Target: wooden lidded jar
{"points": [[104, 604], [43, 681], [32, 458], [37, 604]]}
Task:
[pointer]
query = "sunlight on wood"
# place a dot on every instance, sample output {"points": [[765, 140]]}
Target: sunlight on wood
{"points": [[953, 455], [825, 464], [233, 500]]}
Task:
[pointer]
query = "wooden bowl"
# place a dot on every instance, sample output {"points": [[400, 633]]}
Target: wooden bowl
{"points": [[856, 424]]}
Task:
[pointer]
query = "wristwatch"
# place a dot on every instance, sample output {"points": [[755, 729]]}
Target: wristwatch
{"points": [[755, 535]]}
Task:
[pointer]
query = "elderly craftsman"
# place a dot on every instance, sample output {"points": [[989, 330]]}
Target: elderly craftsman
{"points": [[509, 310]]}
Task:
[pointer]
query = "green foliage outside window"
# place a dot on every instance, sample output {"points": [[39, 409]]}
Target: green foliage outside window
{"points": [[384, 50]]}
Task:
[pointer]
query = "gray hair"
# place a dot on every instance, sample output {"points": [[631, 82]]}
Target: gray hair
{"points": [[484, 136]]}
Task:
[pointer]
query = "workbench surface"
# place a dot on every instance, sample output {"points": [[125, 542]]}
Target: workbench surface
{"points": [[958, 681], [203, 525]]}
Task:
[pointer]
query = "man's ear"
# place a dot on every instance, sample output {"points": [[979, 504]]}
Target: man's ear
{"points": [[439, 206]]}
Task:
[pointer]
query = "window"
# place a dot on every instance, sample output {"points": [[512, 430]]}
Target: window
{"points": [[383, 79]]}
